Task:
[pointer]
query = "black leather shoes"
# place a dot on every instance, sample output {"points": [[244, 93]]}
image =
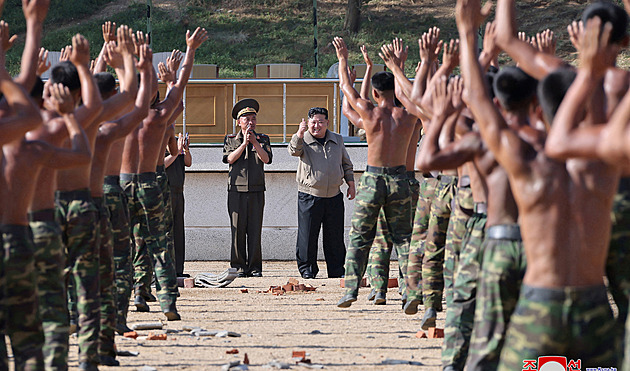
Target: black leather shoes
{"points": [[347, 301], [109, 361], [255, 274], [379, 298], [308, 276], [429, 318], [141, 304], [241, 274]]}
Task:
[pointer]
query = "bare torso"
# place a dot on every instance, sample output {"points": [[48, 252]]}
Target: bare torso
{"points": [[388, 133]]}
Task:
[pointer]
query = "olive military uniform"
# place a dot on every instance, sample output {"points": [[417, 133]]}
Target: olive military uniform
{"points": [[246, 200]]}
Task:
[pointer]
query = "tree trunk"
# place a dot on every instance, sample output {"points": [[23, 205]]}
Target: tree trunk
{"points": [[353, 16]]}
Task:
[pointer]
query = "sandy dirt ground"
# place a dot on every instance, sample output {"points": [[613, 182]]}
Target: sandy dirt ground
{"points": [[362, 337]]}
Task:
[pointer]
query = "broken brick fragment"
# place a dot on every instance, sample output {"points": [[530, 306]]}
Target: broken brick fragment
{"points": [[421, 335], [246, 359], [131, 334], [293, 281], [299, 354], [189, 283], [288, 287], [244, 291], [153, 336], [232, 351], [363, 283], [392, 282], [436, 333]]}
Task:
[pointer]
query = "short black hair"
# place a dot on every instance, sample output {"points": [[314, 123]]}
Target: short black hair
{"points": [[552, 89], [65, 73], [514, 88], [383, 81], [317, 111], [38, 89], [608, 12], [490, 80], [106, 82]]}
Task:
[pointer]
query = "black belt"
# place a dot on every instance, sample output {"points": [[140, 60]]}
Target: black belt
{"points": [[128, 177], [447, 178], [159, 169], [480, 207], [112, 180], [397, 170], [464, 181], [504, 232], [45, 215], [82, 194]]}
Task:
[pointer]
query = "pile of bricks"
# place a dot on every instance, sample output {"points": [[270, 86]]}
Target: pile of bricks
{"points": [[292, 285]]}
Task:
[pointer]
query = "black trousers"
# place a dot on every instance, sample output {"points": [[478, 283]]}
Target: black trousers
{"points": [[246, 217], [313, 212], [179, 239]]}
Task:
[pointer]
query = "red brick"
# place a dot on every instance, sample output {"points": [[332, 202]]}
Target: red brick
{"points": [[363, 283], [131, 335], [153, 336], [244, 291], [436, 333], [246, 359], [299, 354], [421, 335], [392, 282], [232, 351], [288, 287], [293, 281]]}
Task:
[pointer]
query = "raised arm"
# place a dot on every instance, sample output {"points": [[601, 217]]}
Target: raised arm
{"points": [[109, 35], [89, 111], [450, 60], [489, 55], [176, 93], [534, 62], [24, 114], [296, 145], [567, 138], [348, 111], [34, 12], [439, 149], [127, 123], [500, 139], [356, 102], [367, 83]]}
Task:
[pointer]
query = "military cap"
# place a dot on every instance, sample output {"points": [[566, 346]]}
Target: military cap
{"points": [[245, 106]]}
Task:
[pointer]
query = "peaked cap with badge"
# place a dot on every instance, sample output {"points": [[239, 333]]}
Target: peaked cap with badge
{"points": [[245, 106]]}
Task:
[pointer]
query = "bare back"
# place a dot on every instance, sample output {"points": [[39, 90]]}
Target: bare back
{"points": [[388, 131]]}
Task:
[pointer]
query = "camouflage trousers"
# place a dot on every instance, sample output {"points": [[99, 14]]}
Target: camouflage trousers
{"points": [[78, 218], [619, 256], [461, 311], [381, 251], [386, 188], [572, 322], [146, 211], [106, 271], [162, 180], [20, 303], [413, 280], [119, 218], [461, 210], [50, 260], [433, 262], [502, 271]]}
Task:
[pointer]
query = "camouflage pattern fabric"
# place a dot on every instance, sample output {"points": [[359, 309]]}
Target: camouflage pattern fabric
{"points": [[23, 324], [376, 191], [106, 271], [116, 202], [462, 209], [413, 279], [146, 210], [619, 255], [78, 218], [50, 260], [502, 271], [381, 251], [433, 262], [460, 313], [572, 322], [162, 180]]}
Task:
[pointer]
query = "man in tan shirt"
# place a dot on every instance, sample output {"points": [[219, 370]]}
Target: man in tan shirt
{"points": [[324, 165]]}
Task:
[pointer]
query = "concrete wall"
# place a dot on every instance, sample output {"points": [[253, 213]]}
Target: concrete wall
{"points": [[206, 217]]}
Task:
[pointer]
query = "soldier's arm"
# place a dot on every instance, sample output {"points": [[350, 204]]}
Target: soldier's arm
{"points": [[362, 106], [34, 12]]}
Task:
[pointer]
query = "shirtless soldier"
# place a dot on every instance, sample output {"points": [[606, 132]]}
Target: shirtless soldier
{"points": [[566, 263], [138, 178], [384, 184]]}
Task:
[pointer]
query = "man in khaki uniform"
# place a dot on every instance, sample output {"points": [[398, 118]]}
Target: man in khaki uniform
{"points": [[324, 165], [246, 152]]}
